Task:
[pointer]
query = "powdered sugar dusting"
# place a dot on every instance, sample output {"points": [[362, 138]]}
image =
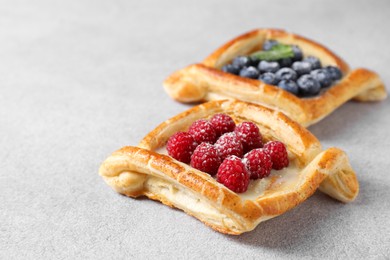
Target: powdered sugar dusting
{"points": [[202, 131], [222, 123], [229, 144], [249, 135]]}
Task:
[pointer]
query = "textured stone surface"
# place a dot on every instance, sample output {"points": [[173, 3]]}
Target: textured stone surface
{"points": [[80, 79]]}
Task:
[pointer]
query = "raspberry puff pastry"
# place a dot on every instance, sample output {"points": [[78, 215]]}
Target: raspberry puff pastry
{"points": [[206, 80], [147, 170]]}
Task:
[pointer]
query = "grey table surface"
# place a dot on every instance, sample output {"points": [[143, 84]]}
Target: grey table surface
{"points": [[80, 79]]}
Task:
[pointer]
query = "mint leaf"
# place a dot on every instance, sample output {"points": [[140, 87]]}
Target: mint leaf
{"points": [[277, 52]]}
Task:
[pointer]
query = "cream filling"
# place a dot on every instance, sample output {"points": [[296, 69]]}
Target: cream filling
{"points": [[277, 181], [162, 150]]}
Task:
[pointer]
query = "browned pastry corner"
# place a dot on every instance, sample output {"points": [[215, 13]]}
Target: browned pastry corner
{"points": [[206, 80], [148, 170]]}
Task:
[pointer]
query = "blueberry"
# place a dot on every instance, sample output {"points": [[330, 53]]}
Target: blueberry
{"points": [[298, 55], [242, 61], [286, 73], [268, 66], [267, 45], [230, 68], [315, 62], [335, 73], [286, 62], [269, 78], [301, 67], [290, 86], [308, 86], [249, 72], [322, 76]]}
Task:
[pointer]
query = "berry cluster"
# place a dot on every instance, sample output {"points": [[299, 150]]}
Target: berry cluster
{"points": [[301, 76], [235, 154]]}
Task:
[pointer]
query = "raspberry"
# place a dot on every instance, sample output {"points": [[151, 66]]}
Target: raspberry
{"points": [[249, 135], [229, 144], [203, 131], [206, 158], [181, 146], [278, 154], [222, 123], [259, 163], [233, 174]]}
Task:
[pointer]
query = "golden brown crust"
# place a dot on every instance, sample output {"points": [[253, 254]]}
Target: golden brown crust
{"points": [[136, 171], [205, 81]]}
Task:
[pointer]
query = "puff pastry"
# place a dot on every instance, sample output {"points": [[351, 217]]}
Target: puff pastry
{"points": [[147, 170], [205, 81]]}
